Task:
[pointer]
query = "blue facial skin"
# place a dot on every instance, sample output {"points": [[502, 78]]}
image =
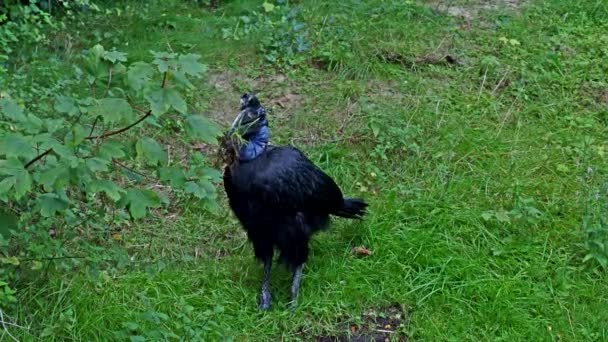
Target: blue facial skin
{"points": [[257, 138]]}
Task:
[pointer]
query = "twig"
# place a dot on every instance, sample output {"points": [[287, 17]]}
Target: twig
{"points": [[5, 328], [137, 108], [118, 131], [162, 85], [500, 83], [38, 157], [109, 80], [131, 169], [106, 134], [94, 124], [483, 82], [55, 258]]}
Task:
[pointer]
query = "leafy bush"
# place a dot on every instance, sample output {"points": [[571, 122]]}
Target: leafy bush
{"points": [[28, 22], [282, 34], [71, 172]]}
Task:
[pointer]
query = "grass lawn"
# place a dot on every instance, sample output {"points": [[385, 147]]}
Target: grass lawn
{"points": [[476, 130]]}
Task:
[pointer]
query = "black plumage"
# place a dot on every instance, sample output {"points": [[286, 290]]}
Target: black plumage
{"points": [[280, 197]]}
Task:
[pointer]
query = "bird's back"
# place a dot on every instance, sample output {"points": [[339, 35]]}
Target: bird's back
{"points": [[280, 182]]}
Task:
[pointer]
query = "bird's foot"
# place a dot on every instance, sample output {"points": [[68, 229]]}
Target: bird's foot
{"points": [[265, 300]]}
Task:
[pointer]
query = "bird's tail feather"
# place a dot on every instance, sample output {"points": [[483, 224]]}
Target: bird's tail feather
{"points": [[353, 208]]}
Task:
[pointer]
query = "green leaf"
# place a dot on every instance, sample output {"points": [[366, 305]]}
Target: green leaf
{"points": [[173, 174], [140, 200], [163, 99], [97, 164], [78, 134], [181, 78], [196, 190], [502, 216], [8, 222], [65, 104], [150, 151], [111, 149], [113, 110], [112, 190], [268, 7], [115, 56], [23, 183], [5, 186], [55, 178], [199, 127], [11, 110], [164, 60], [139, 75], [487, 216], [190, 65], [19, 178], [49, 204], [15, 145], [10, 166]]}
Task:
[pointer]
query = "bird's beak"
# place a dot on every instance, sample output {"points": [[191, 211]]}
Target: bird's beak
{"points": [[237, 122]]}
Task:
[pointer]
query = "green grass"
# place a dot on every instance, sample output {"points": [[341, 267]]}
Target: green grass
{"points": [[478, 190]]}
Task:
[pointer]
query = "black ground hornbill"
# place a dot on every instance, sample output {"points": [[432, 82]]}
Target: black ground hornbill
{"points": [[280, 197]]}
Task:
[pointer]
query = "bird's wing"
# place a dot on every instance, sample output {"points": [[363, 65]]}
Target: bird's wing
{"points": [[292, 182]]}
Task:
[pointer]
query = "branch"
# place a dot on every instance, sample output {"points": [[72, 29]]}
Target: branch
{"points": [[38, 157], [106, 134], [164, 80], [94, 124], [118, 131]]}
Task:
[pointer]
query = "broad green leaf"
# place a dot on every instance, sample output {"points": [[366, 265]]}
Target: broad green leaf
{"points": [[11, 110], [181, 78], [196, 190], [150, 151], [113, 110], [115, 56], [140, 200], [164, 60], [111, 149], [173, 174], [49, 204], [139, 75], [176, 101], [158, 103], [112, 190], [163, 99], [5, 186], [97, 164], [78, 134], [65, 104], [55, 178], [16, 145], [502, 216], [8, 222], [23, 183], [10, 166], [19, 178], [268, 7], [199, 127], [487, 216], [190, 65], [213, 175]]}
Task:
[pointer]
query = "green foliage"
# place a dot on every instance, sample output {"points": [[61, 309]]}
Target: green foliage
{"points": [[23, 23], [71, 164], [281, 32]]}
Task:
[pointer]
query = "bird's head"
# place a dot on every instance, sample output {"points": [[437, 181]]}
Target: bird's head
{"points": [[251, 116]]}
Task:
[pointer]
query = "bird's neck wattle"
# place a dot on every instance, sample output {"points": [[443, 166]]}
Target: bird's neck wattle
{"points": [[256, 142]]}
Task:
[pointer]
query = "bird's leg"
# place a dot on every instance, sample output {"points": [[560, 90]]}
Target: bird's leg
{"points": [[295, 285], [265, 297]]}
